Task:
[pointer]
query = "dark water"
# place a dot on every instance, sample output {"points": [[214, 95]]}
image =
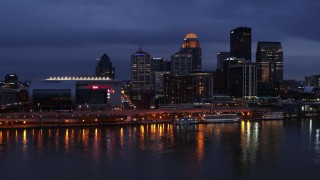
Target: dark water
{"points": [[287, 149]]}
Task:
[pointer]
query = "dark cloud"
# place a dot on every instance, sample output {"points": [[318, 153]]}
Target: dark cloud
{"points": [[40, 38]]}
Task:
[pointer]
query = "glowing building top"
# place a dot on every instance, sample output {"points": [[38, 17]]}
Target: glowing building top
{"points": [[191, 41], [191, 45]]}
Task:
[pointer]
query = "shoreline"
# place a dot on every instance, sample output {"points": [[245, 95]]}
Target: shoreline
{"points": [[72, 125]]}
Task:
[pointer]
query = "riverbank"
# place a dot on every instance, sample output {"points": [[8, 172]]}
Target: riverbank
{"points": [[69, 125]]}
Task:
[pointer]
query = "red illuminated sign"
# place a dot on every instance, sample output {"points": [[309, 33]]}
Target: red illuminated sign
{"points": [[95, 87]]}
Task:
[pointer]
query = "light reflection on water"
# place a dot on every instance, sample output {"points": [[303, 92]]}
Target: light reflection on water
{"points": [[247, 150]]}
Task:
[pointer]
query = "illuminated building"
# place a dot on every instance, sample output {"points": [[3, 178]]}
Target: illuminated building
{"points": [[61, 93], [141, 71], [104, 67], [240, 77], [240, 43], [189, 88], [269, 57], [181, 63], [141, 78], [177, 89], [191, 45], [202, 83]]}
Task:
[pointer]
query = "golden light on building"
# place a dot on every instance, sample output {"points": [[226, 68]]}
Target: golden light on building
{"points": [[190, 41]]}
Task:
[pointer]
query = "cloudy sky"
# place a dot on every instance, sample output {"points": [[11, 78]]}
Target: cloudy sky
{"points": [[42, 38]]}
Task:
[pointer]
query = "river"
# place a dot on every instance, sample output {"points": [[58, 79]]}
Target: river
{"points": [[288, 149]]}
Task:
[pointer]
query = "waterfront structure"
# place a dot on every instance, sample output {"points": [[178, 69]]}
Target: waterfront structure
{"points": [[181, 63], [104, 67], [240, 77], [269, 58], [67, 93], [191, 45], [240, 43]]}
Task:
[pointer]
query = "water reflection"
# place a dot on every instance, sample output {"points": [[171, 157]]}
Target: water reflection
{"points": [[239, 151]]}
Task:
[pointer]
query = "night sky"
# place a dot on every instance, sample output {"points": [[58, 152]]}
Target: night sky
{"points": [[42, 38]]}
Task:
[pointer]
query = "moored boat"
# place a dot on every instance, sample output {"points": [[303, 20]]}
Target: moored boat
{"points": [[271, 115], [221, 118], [187, 120]]}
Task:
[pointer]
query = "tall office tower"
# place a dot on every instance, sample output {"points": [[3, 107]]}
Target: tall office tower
{"points": [[104, 67], [191, 45], [181, 63], [269, 58], [140, 71], [240, 77], [240, 43], [141, 78]]}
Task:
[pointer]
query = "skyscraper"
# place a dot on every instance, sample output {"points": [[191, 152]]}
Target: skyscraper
{"points": [[141, 71], [269, 57], [240, 43], [191, 45], [104, 67], [141, 79]]}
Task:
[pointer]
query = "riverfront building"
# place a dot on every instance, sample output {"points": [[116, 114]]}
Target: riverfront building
{"points": [[66, 93]]}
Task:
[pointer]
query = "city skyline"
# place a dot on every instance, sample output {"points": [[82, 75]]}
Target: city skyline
{"points": [[42, 38]]}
